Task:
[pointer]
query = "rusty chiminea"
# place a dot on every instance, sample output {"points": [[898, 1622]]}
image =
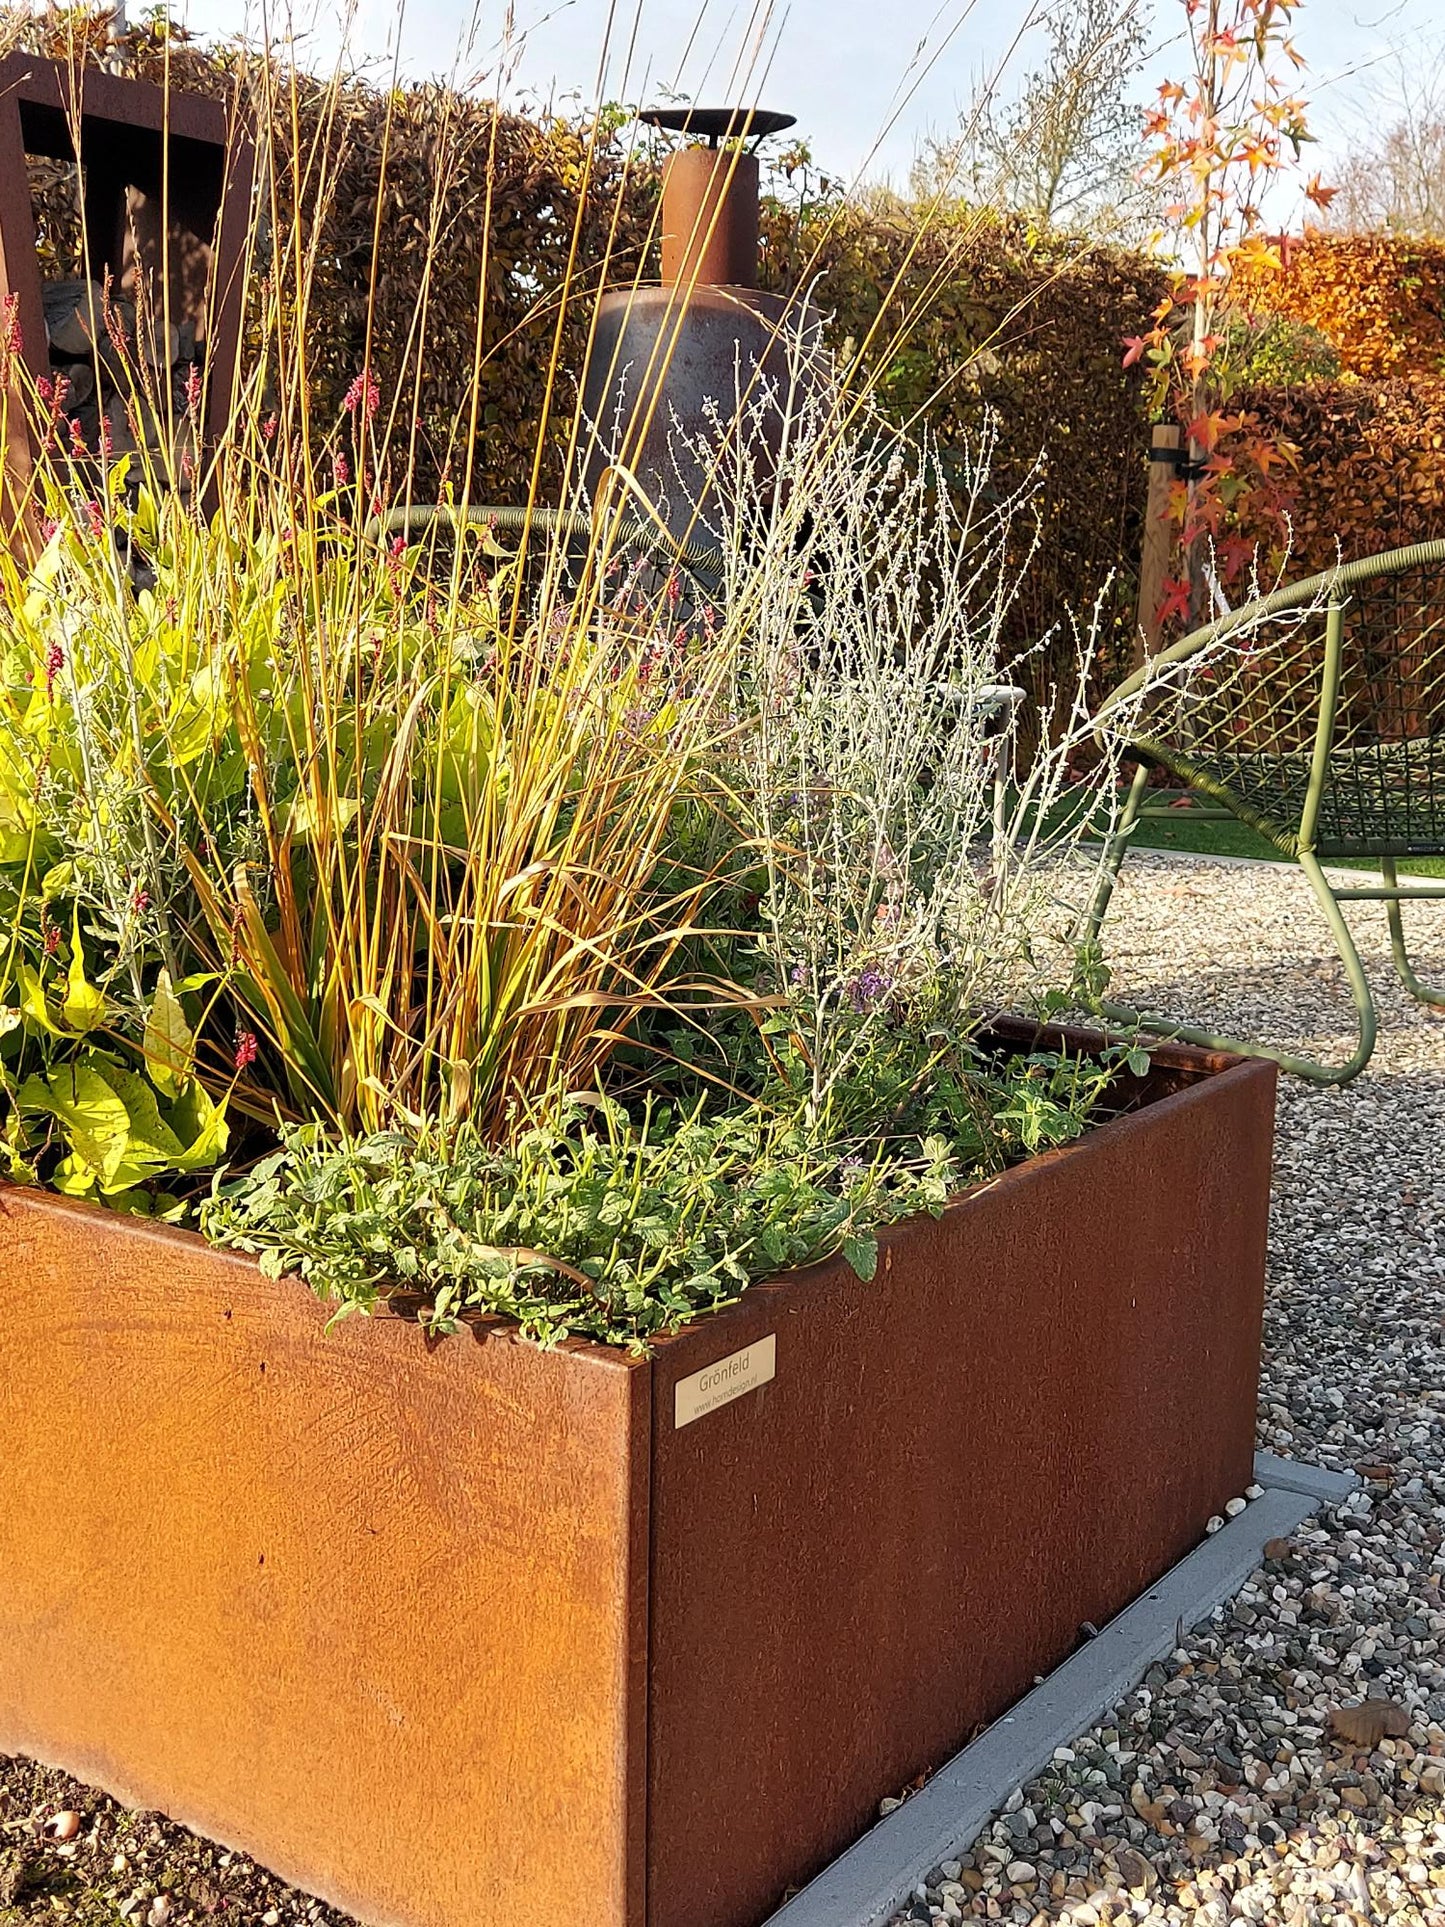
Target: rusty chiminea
{"points": [[668, 359]]}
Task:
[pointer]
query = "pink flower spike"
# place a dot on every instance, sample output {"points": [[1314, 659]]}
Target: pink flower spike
{"points": [[363, 397], [245, 1050]]}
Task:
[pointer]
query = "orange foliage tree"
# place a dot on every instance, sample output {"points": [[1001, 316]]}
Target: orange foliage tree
{"points": [[1221, 137]]}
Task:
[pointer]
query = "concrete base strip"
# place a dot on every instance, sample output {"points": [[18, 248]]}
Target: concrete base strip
{"points": [[877, 1876], [1292, 1475]]}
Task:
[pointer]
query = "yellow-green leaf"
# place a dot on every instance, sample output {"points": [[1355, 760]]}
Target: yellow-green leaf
{"points": [[84, 1005], [208, 1146], [93, 1118], [33, 1002], [169, 1041]]}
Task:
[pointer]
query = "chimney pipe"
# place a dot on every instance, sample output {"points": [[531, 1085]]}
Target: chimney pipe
{"points": [[710, 218], [666, 362], [710, 194]]}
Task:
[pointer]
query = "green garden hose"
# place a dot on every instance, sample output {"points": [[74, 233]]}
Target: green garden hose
{"points": [[696, 556]]}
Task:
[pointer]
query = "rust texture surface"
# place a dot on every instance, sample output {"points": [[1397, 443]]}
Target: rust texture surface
{"points": [[367, 1608], [1027, 1416], [461, 1633], [710, 218]]}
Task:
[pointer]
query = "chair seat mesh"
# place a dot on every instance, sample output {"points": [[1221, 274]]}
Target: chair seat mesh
{"points": [[1244, 733]]}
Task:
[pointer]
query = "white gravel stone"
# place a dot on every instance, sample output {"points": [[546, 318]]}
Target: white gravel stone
{"points": [[1235, 1793]]}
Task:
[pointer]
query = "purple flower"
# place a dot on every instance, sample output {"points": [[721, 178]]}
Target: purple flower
{"points": [[868, 988]]}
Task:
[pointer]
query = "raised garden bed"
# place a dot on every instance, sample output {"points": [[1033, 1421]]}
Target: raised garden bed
{"points": [[441, 1630]]}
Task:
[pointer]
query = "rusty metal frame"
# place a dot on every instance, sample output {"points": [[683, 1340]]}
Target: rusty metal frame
{"points": [[201, 159]]}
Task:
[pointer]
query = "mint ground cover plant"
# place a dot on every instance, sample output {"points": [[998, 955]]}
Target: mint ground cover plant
{"points": [[603, 1223]]}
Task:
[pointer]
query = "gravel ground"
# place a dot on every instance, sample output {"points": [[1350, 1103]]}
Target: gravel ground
{"points": [[1217, 1791], [70, 1854], [1220, 1790]]}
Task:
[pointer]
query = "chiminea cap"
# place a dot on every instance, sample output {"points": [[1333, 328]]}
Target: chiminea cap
{"points": [[714, 124]]}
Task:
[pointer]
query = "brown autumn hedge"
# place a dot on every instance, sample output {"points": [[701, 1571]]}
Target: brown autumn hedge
{"points": [[1370, 472], [1022, 328], [1379, 298], [1003, 322], [539, 191], [1027, 326]]}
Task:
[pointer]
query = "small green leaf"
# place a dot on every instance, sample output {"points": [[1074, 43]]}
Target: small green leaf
{"points": [[862, 1255], [211, 1134], [1138, 1061], [84, 1006], [33, 1001], [74, 1178]]}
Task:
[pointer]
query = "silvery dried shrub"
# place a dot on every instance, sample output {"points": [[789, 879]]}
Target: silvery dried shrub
{"points": [[927, 862], [922, 870]]}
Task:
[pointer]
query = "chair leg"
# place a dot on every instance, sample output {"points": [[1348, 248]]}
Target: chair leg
{"points": [[1115, 851], [1423, 993], [1307, 1067]]}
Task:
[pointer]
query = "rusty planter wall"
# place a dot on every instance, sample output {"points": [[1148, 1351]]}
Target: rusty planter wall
{"points": [[441, 1631]]}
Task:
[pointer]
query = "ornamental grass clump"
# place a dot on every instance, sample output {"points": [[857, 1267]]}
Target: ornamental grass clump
{"points": [[494, 914]]}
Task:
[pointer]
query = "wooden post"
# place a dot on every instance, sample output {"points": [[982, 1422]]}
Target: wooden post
{"points": [[124, 127], [20, 278], [1158, 539]]}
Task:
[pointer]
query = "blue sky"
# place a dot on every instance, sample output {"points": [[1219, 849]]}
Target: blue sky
{"points": [[866, 78]]}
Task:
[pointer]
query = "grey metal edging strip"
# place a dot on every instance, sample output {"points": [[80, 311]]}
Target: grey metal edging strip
{"points": [[868, 1884]]}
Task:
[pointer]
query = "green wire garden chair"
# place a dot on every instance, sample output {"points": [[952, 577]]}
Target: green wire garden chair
{"points": [[1316, 715]]}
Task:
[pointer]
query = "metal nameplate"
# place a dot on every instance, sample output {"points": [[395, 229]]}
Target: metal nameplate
{"points": [[729, 1378]]}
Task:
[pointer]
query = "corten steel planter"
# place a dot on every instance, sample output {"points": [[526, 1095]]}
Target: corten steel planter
{"points": [[443, 1630]]}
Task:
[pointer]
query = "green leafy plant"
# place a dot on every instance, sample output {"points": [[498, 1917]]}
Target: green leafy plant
{"points": [[590, 1223], [352, 843], [86, 1110]]}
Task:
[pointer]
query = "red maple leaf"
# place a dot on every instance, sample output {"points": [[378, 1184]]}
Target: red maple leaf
{"points": [[1175, 603]]}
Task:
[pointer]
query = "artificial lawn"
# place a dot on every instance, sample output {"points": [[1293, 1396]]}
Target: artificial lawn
{"points": [[1214, 837]]}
